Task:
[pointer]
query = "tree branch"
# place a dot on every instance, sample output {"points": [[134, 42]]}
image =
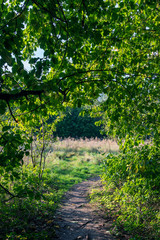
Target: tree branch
{"points": [[7, 191], [18, 15], [11, 112], [23, 93], [48, 11]]}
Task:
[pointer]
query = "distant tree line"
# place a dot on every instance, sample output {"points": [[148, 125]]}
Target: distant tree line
{"points": [[75, 126]]}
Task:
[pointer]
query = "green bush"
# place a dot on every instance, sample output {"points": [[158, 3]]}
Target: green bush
{"points": [[75, 126], [132, 185]]}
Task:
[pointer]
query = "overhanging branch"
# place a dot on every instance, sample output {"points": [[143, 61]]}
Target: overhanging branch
{"points": [[11, 96]]}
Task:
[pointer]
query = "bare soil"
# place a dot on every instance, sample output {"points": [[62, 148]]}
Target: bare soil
{"points": [[77, 218]]}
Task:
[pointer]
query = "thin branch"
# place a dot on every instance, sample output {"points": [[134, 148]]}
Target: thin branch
{"points": [[11, 112], [32, 154], [42, 151], [7, 191], [87, 71], [104, 81], [62, 11], [46, 10], [66, 32], [9, 199], [18, 15], [98, 70], [24, 113]]}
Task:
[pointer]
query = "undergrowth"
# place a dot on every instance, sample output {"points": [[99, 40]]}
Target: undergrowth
{"points": [[131, 192], [30, 215]]}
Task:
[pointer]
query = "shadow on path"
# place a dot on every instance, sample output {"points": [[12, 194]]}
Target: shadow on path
{"points": [[76, 219]]}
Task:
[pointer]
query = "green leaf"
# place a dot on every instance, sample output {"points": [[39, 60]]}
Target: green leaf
{"points": [[6, 128], [3, 107]]}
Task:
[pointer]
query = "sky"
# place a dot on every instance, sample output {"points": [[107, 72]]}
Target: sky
{"points": [[38, 53]]}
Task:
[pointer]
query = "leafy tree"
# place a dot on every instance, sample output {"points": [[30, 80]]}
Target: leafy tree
{"points": [[90, 47], [76, 126]]}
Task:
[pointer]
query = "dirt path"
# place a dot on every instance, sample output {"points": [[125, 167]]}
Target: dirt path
{"points": [[77, 219]]}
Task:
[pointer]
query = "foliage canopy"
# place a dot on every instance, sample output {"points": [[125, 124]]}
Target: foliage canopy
{"points": [[89, 48], [75, 126]]}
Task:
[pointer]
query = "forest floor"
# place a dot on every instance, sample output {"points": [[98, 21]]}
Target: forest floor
{"points": [[77, 218]]}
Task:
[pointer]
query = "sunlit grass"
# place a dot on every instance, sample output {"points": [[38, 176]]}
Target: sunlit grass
{"points": [[92, 145]]}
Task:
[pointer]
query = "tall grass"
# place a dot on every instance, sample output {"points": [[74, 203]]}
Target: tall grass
{"points": [[92, 144]]}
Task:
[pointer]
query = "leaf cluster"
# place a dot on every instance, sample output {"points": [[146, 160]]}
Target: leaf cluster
{"points": [[131, 183]]}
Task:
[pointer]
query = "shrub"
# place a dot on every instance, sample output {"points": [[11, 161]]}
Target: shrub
{"points": [[135, 179], [75, 126]]}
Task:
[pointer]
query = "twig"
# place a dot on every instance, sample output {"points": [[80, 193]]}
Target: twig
{"points": [[11, 112], [46, 10], [6, 190], [84, 224], [18, 15]]}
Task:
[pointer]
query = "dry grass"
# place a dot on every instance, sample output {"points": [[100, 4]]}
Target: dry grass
{"points": [[69, 147], [104, 145]]}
